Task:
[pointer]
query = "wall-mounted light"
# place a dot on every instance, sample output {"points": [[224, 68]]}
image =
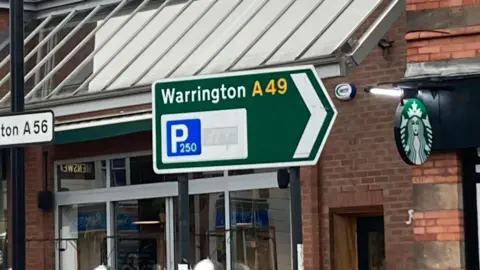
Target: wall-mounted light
{"points": [[406, 90], [393, 92], [146, 222], [386, 46]]}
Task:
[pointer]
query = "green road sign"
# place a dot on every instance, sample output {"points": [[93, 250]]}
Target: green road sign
{"points": [[243, 120]]}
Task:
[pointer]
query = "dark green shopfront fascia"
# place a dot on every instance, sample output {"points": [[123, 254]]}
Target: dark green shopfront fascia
{"points": [[96, 129]]}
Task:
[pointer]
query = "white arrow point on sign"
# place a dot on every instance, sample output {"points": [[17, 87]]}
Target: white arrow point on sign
{"points": [[317, 115]]}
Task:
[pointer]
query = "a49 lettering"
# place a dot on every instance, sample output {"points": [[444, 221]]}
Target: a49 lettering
{"points": [[272, 87]]}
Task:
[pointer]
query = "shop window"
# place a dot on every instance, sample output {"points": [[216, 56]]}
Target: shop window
{"points": [[139, 170], [83, 231], [118, 172], [4, 175], [81, 175], [250, 171], [207, 227], [358, 242], [74, 176], [260, 229], [3, 225], [140, 234]]}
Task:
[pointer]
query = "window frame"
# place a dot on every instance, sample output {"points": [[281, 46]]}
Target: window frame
{"points": [[168, 190]]}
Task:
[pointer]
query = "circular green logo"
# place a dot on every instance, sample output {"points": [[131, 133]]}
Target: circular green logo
{"points": [[413, 132]]}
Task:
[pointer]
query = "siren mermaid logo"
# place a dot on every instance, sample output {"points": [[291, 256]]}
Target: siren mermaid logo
{"points": [[416, 135]]}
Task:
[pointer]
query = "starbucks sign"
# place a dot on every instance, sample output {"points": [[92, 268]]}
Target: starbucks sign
{"points": [[413, 131]]}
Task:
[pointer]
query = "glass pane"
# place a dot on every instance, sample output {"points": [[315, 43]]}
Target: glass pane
{"points": [[207, 227], [250, 171], [201, 175], [140, 234], [83, 230], [81, 176], [3, 225], [118, 172], [376, 250], [260, 228], [140, 172]]}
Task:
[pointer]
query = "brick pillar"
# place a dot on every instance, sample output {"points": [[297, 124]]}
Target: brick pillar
{"points": [[310, 217], [438, 226], [40, 251]]}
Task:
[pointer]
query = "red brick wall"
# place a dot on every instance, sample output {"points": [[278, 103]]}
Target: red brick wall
{"points": [[442, 44], [430, 4], [39, 230], [360, 165], [438, 226], [441, 225], [460, 42], [39, 224]]}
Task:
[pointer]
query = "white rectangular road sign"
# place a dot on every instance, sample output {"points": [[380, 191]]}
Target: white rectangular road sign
{"points": [[204, 136], [26, 128]]}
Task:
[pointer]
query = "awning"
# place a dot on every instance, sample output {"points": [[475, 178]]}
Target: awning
{"points": [[85, 48], [102, 128]]}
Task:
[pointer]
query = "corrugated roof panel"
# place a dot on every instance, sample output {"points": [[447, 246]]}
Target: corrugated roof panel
{"points": [[129, 51], [340, 31], [205, 19], [308, 30], [276, 34], [196, 37], [176, 30], [191, 41], [215, 40], [266, 13], [261, 23]]}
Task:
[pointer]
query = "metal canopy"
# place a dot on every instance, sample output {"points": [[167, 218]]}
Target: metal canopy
{"points": [[96, 47]]}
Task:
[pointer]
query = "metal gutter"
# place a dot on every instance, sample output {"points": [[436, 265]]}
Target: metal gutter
{"points": [[26, 6], [134, 96], [368, 41], [443, 68]]}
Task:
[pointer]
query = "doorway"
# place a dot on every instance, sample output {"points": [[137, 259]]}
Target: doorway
{"points": [[371, 243], [358, 242]]}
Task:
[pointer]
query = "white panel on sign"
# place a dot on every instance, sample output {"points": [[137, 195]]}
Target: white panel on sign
{"points": [[27, 128], [204, 136]]}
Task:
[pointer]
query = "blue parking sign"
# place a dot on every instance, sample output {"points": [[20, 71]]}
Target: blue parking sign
{"points": [[184, 137]]}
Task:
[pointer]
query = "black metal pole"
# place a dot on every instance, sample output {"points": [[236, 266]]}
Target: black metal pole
{"points": [[183, 220], [296, 215], [17, 160]]}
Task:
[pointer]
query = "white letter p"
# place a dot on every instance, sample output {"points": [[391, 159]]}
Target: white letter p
{"points": [[176, 139]]}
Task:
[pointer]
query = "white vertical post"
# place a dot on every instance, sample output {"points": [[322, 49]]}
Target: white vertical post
{"points": [[228, 235], [110, 212], [111, 254], [107, 171], [169, 233], [128, 181], [56, 242], [196, 207]]}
